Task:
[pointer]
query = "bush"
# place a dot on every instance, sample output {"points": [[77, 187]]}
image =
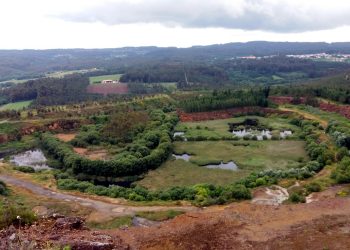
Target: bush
{"points": [[297, 198], [342, 171], [24, 169], [313, 187], [3, 188], [12, 214]]}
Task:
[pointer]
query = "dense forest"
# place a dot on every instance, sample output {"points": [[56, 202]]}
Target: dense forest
{"points": [[226, 99], [49, 91], [271, 70], [336, 88]]}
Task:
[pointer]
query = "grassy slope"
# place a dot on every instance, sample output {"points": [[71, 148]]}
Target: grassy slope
{"points": [[15, 105]]}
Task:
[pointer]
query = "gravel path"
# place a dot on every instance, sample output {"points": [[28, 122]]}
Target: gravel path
{"points": [[99, 206]]}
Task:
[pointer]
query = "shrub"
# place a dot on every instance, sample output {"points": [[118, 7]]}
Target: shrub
{"points": [[12, 214], [3, 188], [24, 169], [297, 198], [260, 182], [313, 187], [246, 137]]}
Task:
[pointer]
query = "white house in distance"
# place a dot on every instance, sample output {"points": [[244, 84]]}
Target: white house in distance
{"points": [[109, 81]]}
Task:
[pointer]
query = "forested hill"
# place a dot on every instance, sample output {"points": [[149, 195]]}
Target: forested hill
{"points": [[34, 63]]}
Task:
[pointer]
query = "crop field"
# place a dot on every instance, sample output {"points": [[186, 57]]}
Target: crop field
{"points": [[15, 105], [99, 79]]}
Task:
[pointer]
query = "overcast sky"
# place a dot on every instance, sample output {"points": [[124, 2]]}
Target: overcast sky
{"points": [[42, 24]]}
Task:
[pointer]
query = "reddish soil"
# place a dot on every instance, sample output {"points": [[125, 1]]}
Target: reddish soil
{"points": [[323, 224], [280, 100], [57, 232], [224, 114], [108, 88], [319, 225], [65, 137], [343, 110]]}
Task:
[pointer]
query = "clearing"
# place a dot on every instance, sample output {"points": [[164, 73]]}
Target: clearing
{"points": [[15, 105], [66, 137]]}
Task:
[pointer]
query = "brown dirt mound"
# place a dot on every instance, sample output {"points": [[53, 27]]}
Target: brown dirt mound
{"points": [[65, 137], [56, 233], [249, 226]]}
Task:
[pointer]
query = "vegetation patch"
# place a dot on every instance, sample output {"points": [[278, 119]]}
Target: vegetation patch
{"points": [[118, 222], [16, 105], [160, 215]]}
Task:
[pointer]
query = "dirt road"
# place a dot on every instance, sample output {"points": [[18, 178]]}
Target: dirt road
{"points": [[306, 115], [102, 207]]}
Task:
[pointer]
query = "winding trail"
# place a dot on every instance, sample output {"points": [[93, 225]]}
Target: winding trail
{"points": [[101, 207]]}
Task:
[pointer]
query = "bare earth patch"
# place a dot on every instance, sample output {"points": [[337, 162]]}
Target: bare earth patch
{"points": [[99, 154], [65, 137]]}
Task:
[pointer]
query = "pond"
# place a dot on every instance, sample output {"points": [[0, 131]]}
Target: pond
{"points": [[185, 157], [180, 134], [284, 134], [32, 158], [227, 166], [260, 134]]}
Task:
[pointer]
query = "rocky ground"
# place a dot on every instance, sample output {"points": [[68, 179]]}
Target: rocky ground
{"points": [[321, 224]]}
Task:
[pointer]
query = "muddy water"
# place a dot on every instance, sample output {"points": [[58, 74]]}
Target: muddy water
{"points": [[284, 134], [180, 134], [185, 157], [259, 134], [227, 166], [32, 158], [274, 195]]}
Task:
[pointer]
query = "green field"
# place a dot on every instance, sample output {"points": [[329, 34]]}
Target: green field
{"points": [[15, 105], [60, 74], [56, 74], [249, 156], [220, 128], [99, 79]]}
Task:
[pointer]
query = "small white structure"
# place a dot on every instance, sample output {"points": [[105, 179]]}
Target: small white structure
{"points": [[109, 81]]}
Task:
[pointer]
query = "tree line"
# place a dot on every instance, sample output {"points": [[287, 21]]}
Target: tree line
{"points": [[226, 99]]}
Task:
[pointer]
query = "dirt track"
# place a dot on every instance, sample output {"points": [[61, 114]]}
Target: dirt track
{"points": [[102, 208], [322, 224]]}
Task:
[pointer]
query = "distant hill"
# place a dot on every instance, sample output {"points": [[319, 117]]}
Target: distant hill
{"points": [[17, 64]]}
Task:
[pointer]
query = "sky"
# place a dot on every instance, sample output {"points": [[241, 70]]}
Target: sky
{"points": [[48, 24]]}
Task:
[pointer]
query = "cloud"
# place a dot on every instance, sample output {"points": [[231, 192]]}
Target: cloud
{"points": [[282, 16]]}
